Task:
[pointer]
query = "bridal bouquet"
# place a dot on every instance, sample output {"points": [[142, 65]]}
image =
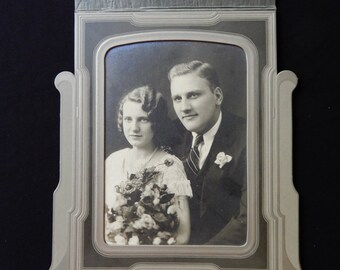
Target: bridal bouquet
{"points": [[144, 213]]}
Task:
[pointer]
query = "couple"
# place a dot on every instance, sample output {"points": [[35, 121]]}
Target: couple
{"points": [[153, 197]]}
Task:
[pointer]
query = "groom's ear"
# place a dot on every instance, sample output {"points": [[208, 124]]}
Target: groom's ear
{"points": [[218, 95]]}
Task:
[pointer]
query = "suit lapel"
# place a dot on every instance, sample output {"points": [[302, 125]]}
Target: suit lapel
{"points": [[221, 143], [211, 173]]}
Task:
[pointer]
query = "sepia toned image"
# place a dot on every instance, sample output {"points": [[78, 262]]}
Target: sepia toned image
{"points": [[175, 144], [178, 139]]}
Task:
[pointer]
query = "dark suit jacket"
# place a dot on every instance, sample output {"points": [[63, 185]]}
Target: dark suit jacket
{"points": [[218, 207]]}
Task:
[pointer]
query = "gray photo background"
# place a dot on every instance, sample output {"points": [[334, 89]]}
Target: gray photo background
{"points": [[134, 65]]}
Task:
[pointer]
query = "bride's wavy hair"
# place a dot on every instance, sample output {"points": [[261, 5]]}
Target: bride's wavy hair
{"points": [[154, 104]]}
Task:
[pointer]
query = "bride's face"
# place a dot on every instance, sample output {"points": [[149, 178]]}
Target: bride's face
{"points": [[137, 127]]}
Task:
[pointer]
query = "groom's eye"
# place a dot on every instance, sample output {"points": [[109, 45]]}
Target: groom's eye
{"points": [[193, 95]]}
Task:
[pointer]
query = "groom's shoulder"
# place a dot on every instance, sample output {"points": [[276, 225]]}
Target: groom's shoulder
{"points": [[233, 124], [233, 120]]}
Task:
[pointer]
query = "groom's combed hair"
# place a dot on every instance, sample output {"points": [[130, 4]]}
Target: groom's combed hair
{"points": [[203, 70], [154, 104]]}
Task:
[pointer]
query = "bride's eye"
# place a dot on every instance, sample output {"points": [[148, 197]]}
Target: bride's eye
{"points": [[144, 120], [127, 119]]}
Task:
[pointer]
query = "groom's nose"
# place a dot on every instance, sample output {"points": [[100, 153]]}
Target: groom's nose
{"points": [[185, 105]]}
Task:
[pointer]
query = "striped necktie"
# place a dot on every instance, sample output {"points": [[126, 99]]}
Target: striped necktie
{"points": [[194, 156]]}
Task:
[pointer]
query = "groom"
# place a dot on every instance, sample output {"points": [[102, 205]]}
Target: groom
{"points": [[213, 152]]}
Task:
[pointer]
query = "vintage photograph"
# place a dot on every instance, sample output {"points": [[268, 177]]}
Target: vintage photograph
{"points": [[175, 144]]}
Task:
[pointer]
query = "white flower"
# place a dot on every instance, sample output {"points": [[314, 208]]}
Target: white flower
{"points": [[140, 210], [148, 187], [164, 235], [172, 209], [156, 193], [119, 218], [134, 240], [157, 241], [117, 225], [138, 224], [171, 241], [147, 190], [120, 240], [222, 159], [156, 201], [148, 222]]}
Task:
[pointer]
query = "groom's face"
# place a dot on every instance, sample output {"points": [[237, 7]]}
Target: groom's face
{"points": [[195, 103]]}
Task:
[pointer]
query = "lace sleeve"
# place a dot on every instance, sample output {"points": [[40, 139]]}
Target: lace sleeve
{"points": [[175, 177]]}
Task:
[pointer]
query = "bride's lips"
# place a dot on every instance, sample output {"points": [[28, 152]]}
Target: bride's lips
{"points": [[135, 136]]}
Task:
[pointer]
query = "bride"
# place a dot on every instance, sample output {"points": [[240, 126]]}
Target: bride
{"points": [[146, 188]]}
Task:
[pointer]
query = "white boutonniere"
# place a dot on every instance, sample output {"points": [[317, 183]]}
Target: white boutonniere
{"points": [[222, 159]]}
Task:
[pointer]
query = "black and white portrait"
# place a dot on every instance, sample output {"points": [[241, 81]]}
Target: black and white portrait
{"points": [[176, 144]]}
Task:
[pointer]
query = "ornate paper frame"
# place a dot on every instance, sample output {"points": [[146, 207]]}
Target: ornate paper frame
{"points": [[272, 201]]}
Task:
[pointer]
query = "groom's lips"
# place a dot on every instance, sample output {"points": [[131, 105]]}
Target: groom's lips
{"points": [[189, 116]]}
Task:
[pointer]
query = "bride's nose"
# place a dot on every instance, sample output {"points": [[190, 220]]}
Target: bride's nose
{"points": [[135, 126]]}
